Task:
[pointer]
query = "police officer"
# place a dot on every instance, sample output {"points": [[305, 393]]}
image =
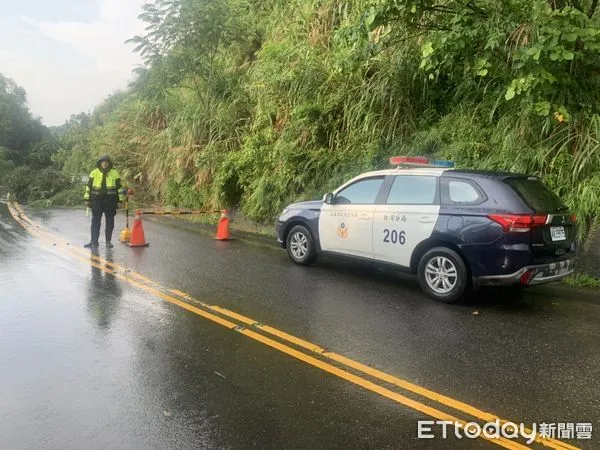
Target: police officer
{"points": [[103, 195]]}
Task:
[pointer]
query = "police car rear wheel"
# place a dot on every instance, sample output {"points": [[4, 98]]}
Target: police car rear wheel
{"points": [[443, 275], [300, 246]]}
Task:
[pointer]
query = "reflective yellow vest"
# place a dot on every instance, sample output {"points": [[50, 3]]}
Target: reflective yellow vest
{"points": [[94, 186]]}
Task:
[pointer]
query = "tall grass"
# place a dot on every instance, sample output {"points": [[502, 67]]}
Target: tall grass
{"points": [[307, 101]]}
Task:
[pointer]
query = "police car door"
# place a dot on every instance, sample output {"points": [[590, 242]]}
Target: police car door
{"points": [[407, 218], [346, 225]]}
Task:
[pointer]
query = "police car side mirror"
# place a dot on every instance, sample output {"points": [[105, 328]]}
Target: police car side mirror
{"points": [[328, 198]]}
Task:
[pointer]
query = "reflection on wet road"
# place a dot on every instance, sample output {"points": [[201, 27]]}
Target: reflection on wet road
{"points": [[104, 349]]}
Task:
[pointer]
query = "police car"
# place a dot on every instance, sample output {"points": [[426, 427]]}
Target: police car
{"points": [[453, 228]]}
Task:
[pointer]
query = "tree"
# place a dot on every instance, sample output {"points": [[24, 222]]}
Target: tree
{"points": [[40, 155], [530, 68], [6, 164], [185, 38], [18, 131]]}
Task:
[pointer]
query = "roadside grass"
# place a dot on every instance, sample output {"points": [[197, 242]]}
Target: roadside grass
{"points": [[582, 280], [237, 222]]}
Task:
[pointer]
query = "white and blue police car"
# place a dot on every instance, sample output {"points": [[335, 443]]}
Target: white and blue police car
{"points": [[453, 228]]}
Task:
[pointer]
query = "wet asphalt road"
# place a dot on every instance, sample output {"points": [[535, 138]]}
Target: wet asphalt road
{"points": [[90, 361]]}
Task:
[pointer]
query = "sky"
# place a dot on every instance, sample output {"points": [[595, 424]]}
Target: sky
{"points": [[68, 55]]}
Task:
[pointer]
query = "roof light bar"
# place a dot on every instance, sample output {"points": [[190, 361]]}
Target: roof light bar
{"points": [[442, 163], [397, 160], [419, 161]]}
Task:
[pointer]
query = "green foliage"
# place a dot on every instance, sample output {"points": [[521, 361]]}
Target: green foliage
{"points": [[519, 83], [28, 185], [26, 148], [41, 153], [183, 195], [19, 132], [75, 155], [583, 280], [46, 183], [256, 104], [185, 39], [70, 196], [6, 164], [19, 182]]}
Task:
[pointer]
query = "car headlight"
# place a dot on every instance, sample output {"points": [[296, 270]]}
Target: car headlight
{"points": [[285, 211]]}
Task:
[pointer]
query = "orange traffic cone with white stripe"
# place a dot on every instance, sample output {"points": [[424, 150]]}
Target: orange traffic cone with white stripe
{"points": [[223, 228], [138, 238]]}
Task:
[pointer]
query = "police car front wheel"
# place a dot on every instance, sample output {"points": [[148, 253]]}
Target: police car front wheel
{"points": [[443, 274], [300, 246]]}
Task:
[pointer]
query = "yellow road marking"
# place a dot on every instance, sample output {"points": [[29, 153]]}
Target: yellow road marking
{"points": [[447, 401], [417, 406], [506, 443], [162, 295], [288, 337], [439, 398], [231, 314]]}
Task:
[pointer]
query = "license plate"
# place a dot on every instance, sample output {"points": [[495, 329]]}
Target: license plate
{"points": [[558, 233]]}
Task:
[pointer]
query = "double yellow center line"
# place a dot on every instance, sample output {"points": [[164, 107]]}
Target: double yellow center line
{"points": [[302, 350]]}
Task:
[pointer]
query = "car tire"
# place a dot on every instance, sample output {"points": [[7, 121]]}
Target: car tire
{"points": [[300, 246], [443, 275]]}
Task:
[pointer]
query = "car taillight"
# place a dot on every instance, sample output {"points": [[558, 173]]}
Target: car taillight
{"points": [[527, 277], [519, 223], [539, 220], [574, 218]]}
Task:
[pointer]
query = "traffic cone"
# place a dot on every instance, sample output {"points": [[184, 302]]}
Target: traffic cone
{"points": [[138, 239], [223, 228]]}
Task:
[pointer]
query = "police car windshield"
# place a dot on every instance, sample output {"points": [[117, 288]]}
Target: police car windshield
{"points": [[536, 194]]}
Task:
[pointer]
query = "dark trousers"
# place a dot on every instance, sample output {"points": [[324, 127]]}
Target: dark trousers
{"points": [[99, 208]]}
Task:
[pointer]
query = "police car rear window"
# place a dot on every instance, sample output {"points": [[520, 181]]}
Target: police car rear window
{"points": [[462, 192], [536, 194]]}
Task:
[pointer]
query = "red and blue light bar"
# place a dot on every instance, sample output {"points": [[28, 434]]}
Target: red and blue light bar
{"points": [[420, 161]]}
